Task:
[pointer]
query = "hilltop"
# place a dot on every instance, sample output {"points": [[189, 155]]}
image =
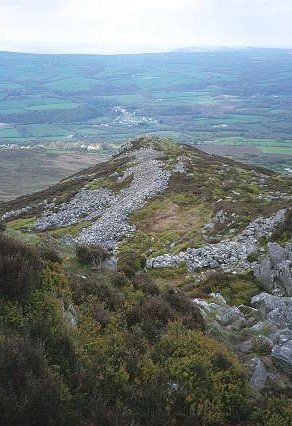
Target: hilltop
{"points": [[154, 288]]}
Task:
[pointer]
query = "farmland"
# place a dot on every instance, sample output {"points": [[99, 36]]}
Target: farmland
{"points": [[222, 98]]}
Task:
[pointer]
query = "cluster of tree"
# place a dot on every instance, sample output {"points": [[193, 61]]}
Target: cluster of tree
{"points": [[135, 354]]}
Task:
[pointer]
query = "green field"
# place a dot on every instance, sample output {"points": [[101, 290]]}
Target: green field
{"points": [[234, 97]]}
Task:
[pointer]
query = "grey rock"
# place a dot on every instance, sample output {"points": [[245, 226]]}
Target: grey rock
{"points": [[70, 315], [246, 346], [282, 356], [110, 265], [277, 310], [281, 337], [264, 274], [259, 373], [284, 275], [218, 296], [224, 314], [276, 253], [275, 271]]}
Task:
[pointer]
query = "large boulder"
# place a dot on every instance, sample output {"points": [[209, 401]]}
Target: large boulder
{"points": [[277, 310], [222, 313], [259, 373], [284, 275], [282, 356], [275, 271]]}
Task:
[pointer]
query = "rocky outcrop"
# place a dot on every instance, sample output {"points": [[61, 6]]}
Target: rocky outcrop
{"points": [[228, 254], [274, 272], [266, 332], [277, 316]]}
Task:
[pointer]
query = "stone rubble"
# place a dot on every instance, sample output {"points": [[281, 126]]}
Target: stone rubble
{"points": [[18, 212], [276, 310], [108, 210], [230, 254], [149, 179], [269, 327], [277, 316], [86, 205]]}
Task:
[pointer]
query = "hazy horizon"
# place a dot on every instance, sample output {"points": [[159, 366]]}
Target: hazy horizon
{"points": [[126, 50], [111, 27]]}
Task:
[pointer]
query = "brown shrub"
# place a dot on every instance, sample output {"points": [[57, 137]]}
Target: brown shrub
{"points": [[92, 255], [20, 267], [31, 392]]}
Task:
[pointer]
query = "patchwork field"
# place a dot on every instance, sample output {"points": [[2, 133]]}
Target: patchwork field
{"points": [[239, 101]]}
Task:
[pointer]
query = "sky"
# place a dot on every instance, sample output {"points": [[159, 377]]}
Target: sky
{"points": [[113, 26]]}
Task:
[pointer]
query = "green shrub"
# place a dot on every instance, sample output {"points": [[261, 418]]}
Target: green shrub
{"points": [[207, 377]]}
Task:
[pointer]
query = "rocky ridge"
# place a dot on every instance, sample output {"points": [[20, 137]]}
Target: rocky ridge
{"points": [[274, 271], [149, 179], [108, 211]]}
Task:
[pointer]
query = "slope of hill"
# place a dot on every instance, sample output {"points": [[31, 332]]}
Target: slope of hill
{"points": [[151, 289]]}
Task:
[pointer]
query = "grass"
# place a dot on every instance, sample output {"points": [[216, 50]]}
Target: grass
{"points": [[19, 224], [72, 230], [236, 289]]}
